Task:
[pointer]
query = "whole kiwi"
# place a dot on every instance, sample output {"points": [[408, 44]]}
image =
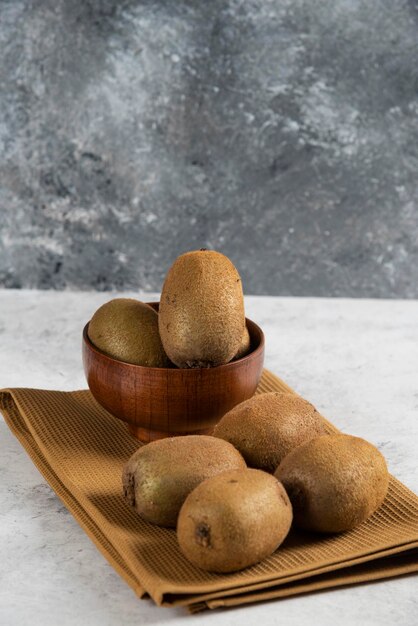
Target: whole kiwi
{"points": [[234, 520], [245, 345], [127, 330], [268, 426], [334, 482], [160, 475], [201, 317]]}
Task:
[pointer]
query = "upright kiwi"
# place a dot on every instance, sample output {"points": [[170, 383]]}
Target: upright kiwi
{"points": [[334, 482], [201, 317], [245, 345], [127, 330]]}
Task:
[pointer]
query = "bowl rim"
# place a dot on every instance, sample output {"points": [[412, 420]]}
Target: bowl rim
{"points": [[259, 349]]}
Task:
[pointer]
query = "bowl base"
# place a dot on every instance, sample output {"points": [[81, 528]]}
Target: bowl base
{"points": [[145, 435]]}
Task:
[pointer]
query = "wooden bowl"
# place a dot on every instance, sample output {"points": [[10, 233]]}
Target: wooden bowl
{"points": [[159, 402]]}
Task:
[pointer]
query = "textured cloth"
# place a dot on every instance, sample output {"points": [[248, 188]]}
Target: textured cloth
{"points": [[80, 449]]}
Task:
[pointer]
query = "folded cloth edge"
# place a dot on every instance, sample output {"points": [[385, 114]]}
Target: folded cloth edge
{"points": [[373, 571], [71, 503]]}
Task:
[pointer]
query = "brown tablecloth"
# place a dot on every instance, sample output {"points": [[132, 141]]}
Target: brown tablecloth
{"points": [[80, 449]]}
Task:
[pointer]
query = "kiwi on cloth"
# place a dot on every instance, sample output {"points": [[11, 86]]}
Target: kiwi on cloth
{"points": [[334, 482], [268, 426], [160, 475], [234, 520]]}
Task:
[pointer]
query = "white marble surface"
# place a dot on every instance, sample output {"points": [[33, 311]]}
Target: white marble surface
{"points": [[356, 360]]}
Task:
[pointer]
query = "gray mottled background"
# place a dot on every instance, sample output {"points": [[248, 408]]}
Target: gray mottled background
{"points": [[283, 133]]}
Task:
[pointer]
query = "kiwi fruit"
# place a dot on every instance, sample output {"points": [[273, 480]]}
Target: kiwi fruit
{"points": [[334, 482], [201, 315], [245, 345], [233, 520], [127, 330], [160, 475], [268, 426]]}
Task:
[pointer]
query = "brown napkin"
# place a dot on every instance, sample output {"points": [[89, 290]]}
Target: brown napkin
{"points": [[80, 449]]}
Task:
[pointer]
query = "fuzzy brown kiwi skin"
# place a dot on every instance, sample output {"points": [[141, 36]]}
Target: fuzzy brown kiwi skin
{"points": [[268, 426], [234, 520], [158, 477], [127, 329], [201, 313], [334, 482], [245, 345]]}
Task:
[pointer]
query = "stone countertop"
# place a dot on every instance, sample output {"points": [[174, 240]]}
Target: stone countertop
{"points": [[356, 360]]}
